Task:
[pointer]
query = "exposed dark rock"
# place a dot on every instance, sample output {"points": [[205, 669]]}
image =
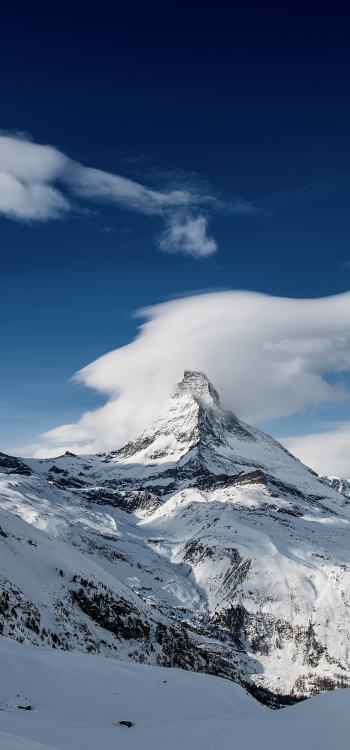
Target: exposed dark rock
{"points": [[114, 615], [125, 500], [12, 465]]}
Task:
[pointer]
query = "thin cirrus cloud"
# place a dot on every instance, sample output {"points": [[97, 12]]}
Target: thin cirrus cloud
{"points": [[269, 357], [40, 183]]}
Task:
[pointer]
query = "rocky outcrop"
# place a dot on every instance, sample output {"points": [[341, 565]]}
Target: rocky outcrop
{"points": [[13, 465]]}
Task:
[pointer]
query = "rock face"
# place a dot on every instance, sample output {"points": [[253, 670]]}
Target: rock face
{"points": [[203, 544], [342, 485], [12, 465]]}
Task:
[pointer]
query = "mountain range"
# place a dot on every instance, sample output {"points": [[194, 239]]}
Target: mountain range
{"points": [[203, 544]]}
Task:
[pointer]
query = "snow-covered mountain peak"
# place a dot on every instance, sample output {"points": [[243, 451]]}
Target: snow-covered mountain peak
{"points": [[192, 418], [195, 439], [198, 385], [196, 442]]}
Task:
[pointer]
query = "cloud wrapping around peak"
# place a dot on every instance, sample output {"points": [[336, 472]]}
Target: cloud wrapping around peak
{"points": [[40, 183], [268, 357]]}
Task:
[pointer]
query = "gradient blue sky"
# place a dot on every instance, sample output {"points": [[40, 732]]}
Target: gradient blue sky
{"points": [[251, 105]]}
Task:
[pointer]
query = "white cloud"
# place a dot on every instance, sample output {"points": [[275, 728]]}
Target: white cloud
{"points": [[30, 162], [26, 171], [326, 452], [33, 201], [94, 183], [267, 356], [39, 183], [188, 234]]}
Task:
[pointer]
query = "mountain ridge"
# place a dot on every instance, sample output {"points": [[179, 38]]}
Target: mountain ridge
{"points": [[202, 544]]}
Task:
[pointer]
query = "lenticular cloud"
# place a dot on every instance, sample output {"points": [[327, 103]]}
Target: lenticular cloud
{"points": [[269, 357]]}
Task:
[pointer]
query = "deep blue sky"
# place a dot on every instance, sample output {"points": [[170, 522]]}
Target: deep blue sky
{"points": [[255, 103]]}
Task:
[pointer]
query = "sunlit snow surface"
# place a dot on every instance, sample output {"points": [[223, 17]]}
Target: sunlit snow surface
{"points": [[77, 701]]}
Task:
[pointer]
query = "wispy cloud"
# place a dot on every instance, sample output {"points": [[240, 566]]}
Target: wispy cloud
{"points": [[40, 183], [97, 184], [187, 234]]}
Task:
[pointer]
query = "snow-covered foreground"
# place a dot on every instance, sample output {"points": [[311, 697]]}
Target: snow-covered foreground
{"points": [[77, 700]]}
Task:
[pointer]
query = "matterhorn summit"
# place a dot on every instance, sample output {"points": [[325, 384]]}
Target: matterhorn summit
{"points": [[194, 439], [192, 419], [198, 386], [202, 544]]}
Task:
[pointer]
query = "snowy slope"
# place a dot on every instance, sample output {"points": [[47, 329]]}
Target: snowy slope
{"points": [[204, 544], [77, 700], [83, 593]]}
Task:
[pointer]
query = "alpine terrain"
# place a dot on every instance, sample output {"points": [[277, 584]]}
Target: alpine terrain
{"points": [[204, 544], [342, 485]]}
